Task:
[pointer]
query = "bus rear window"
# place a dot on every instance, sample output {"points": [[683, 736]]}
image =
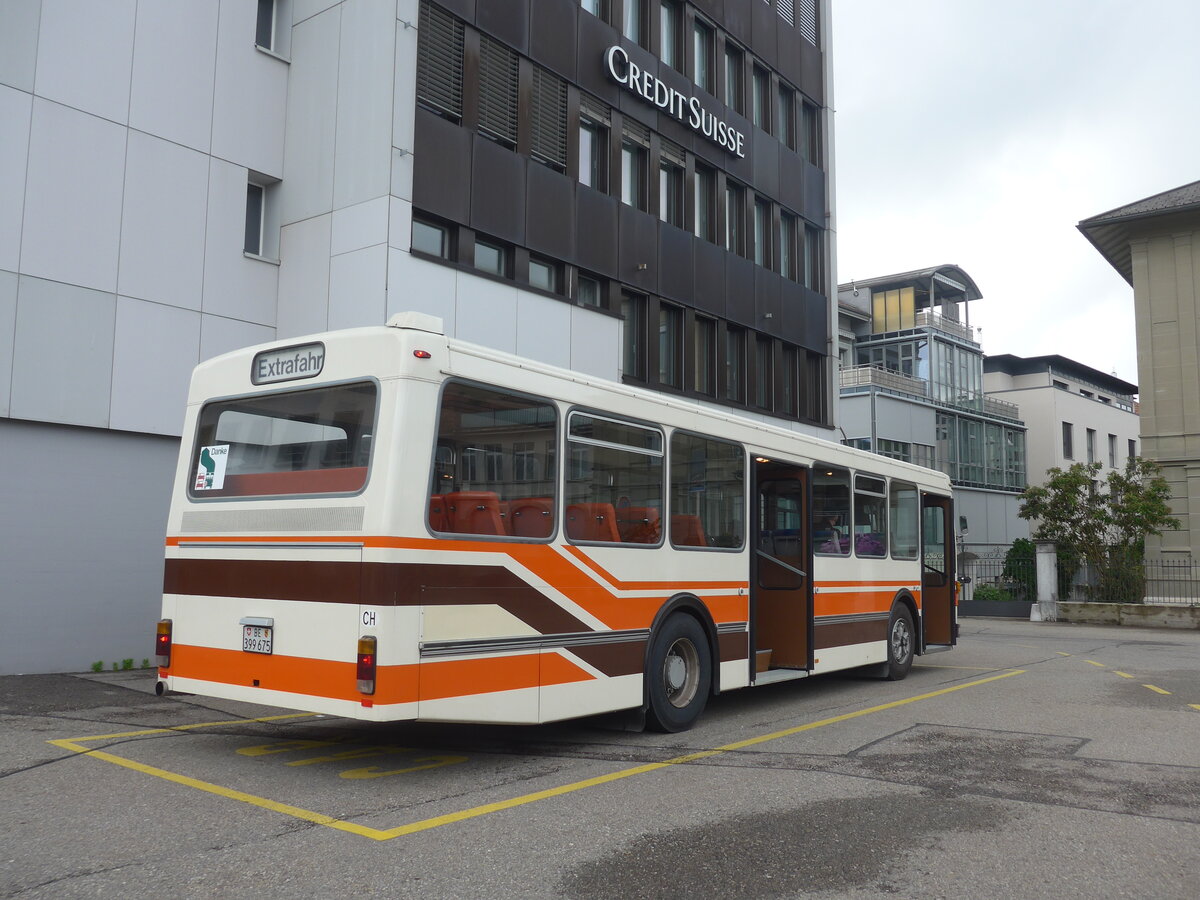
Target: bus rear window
{"points": [[301, 442]]}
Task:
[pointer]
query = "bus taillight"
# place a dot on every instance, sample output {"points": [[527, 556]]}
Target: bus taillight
{"points": [[162, 643], [366, 664]]}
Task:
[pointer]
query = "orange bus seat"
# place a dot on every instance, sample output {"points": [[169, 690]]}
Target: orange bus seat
{"points": [[686, 531], [592, 522], [531, 517], [474, 512], [639, 524], [439, 520]]}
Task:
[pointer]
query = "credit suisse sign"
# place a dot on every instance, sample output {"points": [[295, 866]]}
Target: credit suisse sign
{"points": [[686, 109]]}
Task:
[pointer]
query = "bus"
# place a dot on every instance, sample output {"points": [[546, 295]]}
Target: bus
{"points": [[384, 523]]}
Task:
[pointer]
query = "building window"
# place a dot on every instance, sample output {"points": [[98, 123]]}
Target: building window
{"points": [[591, 153], [1068, 440], [762, 232], [808, 20], [1112, 450], [633, 356], [264, 31], [1131, 449], [735, 363], [734, 210], [548, 119], [670, 185], [704, 349], [588, 291], [735, 78], [1091, 445], [760, 89], [543, 274], [813, 270], [812, 398], [670, 342], [430, 238], [440, 62], [702, 51], [1061, 385], [497, 92], [633, 21], [763, 371], [788, 249], [635, 161], [786, 116], [810, 127], [671, 26], [491, 258], [255, 215], [705, 196], [791, 380], [598, 8]]}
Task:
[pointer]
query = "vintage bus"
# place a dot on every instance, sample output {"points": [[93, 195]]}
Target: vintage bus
{"points": [[384, 523]]}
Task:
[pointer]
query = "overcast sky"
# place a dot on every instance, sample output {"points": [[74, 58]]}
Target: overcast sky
{"points": [[980, 133]]}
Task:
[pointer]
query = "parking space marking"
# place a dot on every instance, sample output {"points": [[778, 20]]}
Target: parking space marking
{"points": [[1123, 674], [1156, 690], [1060, 653], [1094, 663], [1194, 705], [76, 745]]}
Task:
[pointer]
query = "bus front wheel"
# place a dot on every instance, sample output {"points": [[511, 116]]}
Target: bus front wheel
{"points": [[902, 642], [678, 674]]}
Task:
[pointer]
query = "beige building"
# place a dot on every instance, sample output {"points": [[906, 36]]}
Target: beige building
{"points": [[1073, 413], [1155, 245]]}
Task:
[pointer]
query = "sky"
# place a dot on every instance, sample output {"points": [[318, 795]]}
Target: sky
{"points": [[980, 134]]}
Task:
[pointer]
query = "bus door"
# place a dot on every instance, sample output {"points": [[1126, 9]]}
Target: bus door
{"points": [[781, 570], [937, 571]]}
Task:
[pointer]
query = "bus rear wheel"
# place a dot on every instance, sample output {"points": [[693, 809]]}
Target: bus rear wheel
{"points": [[902, 643], [678, 674]]}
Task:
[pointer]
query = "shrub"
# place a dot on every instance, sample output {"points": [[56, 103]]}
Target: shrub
{"points": [[990, 592]]}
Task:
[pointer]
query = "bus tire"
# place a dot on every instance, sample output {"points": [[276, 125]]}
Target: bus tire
{"points": [[678, 674], [902, 643]]}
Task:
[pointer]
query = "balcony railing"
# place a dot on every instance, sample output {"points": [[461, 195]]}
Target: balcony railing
{"points": [[868, 376], [927, 318], [1001, 408]]}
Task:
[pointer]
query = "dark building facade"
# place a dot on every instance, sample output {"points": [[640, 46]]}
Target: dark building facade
{"points": [[659, 161]]}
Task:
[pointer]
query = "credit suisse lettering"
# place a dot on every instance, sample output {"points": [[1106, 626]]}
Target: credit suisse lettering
{"points": [[684, 108]]}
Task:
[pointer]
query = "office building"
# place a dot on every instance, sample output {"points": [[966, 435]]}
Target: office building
{"points": [[638, 190]]}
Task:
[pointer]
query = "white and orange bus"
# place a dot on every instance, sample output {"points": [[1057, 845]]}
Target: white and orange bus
{"points": [[384, 523]]}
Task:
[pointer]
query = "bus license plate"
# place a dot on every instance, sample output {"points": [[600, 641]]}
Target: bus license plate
{"points": [[256, 638]]}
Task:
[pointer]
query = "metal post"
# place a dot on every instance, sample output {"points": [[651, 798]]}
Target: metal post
{"points": [[1046, 608]]}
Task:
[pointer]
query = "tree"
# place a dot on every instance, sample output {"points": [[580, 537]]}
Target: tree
{"points": [[1102, 524]]}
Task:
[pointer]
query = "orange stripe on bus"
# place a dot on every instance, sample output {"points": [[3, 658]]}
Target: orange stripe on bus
{"points": [[650, 585], [464, 677]]}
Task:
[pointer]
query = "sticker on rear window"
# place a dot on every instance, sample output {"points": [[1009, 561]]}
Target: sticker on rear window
{"points": [[210, 473]]}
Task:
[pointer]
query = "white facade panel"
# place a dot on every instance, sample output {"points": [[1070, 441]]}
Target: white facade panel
{"points": [[404, 98], [162, 222], [73, 197], [304, 277], [306, 9], [362, 225], [16, 110], [486, 312], [8, 332], [307, 188], [63, 355], [362, 161], [595, 344], [234, 285], [220, 335], [415, 285], [174, 60], [402, 174], [358, 288], [150, 377], [19, 42], [250, 97], [92, 38], [541, 325]]}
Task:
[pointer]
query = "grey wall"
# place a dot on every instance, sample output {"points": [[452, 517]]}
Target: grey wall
{"points": [[81, 545]]}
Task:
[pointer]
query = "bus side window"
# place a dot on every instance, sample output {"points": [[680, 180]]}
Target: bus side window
{"points": [[708, 492], [493, 464], [831, 511], [870, 516], [614, 481]]}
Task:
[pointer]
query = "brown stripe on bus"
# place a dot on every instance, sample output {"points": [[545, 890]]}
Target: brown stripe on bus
{"points": [[841, 634]]}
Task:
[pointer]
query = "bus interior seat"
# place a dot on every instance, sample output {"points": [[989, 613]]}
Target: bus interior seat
{"points": [[474, 512], [592, 522], [439, 520], [639, 524], [531, 517], [686, 531]]}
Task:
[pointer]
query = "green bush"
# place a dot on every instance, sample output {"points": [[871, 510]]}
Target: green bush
{"points": [[991, 592], [1020, 565]]}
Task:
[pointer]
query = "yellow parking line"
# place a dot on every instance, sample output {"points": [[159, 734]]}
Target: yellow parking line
{"points": [[963, 668], [76, 745], [1094, 663], [1123, 674], [1194, 705], [1156, 690], [1060, 653]]}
